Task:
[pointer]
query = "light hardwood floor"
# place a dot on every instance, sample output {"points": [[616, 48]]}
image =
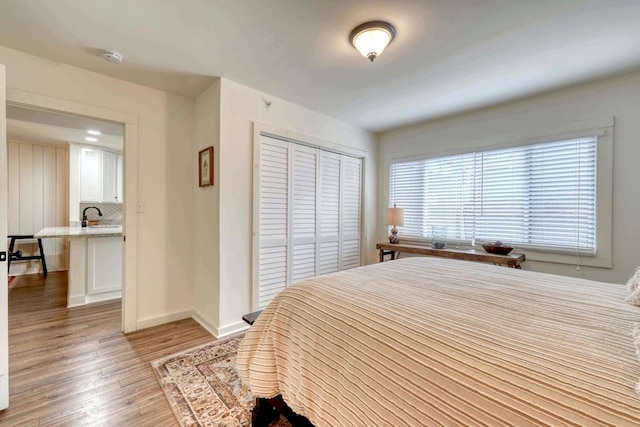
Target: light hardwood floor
{"points": [[74, 367]]}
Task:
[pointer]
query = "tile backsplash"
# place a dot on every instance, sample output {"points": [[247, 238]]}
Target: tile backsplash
{"points": [[111, 212]]}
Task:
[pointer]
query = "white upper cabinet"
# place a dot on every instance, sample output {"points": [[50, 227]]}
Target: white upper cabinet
{"points": [[90, 175], [119, 175], [100, 175], [109, 176]]}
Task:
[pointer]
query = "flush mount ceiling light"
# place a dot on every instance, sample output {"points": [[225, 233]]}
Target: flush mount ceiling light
{"points": [[372, 37]]}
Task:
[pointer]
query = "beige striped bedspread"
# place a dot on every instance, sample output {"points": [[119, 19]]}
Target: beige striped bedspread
{"points": [[437, 342]]}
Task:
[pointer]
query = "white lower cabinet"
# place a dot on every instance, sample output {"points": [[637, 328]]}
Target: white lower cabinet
{"points": [[104, 265], [95, 270]]}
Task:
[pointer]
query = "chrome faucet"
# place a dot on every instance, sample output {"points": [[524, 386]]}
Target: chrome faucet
{"points": [[84, 214]]}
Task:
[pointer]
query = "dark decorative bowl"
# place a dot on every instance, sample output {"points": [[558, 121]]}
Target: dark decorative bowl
{"points": [[498, 250]]}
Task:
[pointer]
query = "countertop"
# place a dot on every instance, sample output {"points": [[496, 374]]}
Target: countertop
{"points": [[80, 232]]}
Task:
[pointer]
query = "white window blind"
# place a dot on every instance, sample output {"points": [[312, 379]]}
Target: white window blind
{"points": [[537, 196]]}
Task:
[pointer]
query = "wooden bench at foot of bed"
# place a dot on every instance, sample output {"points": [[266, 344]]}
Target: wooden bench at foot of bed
{"points": [[268, 410]]}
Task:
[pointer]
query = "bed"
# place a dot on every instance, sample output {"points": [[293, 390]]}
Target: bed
{"points": [[431, 341]]}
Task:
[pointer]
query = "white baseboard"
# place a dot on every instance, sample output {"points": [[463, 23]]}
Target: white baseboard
{"points": [[21, 270], [55, 262], [232, 329], [75, 301], [216, 331], [4, 393], [89, 299], [106, 296], [160, 320], [204, 322]]}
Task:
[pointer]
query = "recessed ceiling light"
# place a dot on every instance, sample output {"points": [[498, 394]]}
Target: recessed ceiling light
{"points": [[91, 139], [93, 132]]}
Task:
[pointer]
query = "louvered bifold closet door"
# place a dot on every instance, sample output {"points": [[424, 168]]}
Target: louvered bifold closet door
{"points": [[350, 212], [309, 214], [303, 208], [329, 224], [274, 214]]}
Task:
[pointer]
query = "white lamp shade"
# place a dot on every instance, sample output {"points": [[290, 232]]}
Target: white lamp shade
{"points": [[395, 216], [372, 41], [372, 37]]}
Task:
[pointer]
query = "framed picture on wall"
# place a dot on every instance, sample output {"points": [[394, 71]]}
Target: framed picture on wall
{"points": [[205, 161]]}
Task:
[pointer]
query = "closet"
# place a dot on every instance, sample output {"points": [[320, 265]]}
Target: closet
{"points": [[307, 217]]}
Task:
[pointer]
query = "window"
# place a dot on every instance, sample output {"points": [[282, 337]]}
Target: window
{"points": [[537, 196]]}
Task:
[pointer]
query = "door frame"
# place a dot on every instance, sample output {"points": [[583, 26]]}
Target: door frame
{"points": [[27, 99], [4, 270]]}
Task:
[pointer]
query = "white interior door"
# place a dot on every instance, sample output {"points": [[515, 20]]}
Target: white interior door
{"points": [[4, 306]]}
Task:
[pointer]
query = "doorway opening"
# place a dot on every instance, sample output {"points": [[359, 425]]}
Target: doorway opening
{"points": [[127, 123], [58, 165]]}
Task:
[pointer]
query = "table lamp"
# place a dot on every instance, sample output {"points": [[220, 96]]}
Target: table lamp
{"points": [[395, 217]]}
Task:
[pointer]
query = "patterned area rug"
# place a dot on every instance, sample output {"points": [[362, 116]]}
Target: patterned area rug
{"points": [[203, 387]]}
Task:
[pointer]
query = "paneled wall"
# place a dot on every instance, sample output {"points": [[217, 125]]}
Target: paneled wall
{"points": [[38, 187]]}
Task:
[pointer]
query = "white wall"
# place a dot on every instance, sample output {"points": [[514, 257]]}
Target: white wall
{"points": [[206, 238], [618, 97], [37, 198], [194, 244], [165, 165], [241, 107]]}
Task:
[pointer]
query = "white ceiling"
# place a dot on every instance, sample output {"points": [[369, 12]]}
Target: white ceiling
{"points": [[449, 56], [47, 127]]}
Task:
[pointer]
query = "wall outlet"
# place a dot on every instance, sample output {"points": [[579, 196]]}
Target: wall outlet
{"points": [[140, 207]]}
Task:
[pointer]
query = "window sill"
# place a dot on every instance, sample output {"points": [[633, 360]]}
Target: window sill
{"points": [[588, 261]]}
